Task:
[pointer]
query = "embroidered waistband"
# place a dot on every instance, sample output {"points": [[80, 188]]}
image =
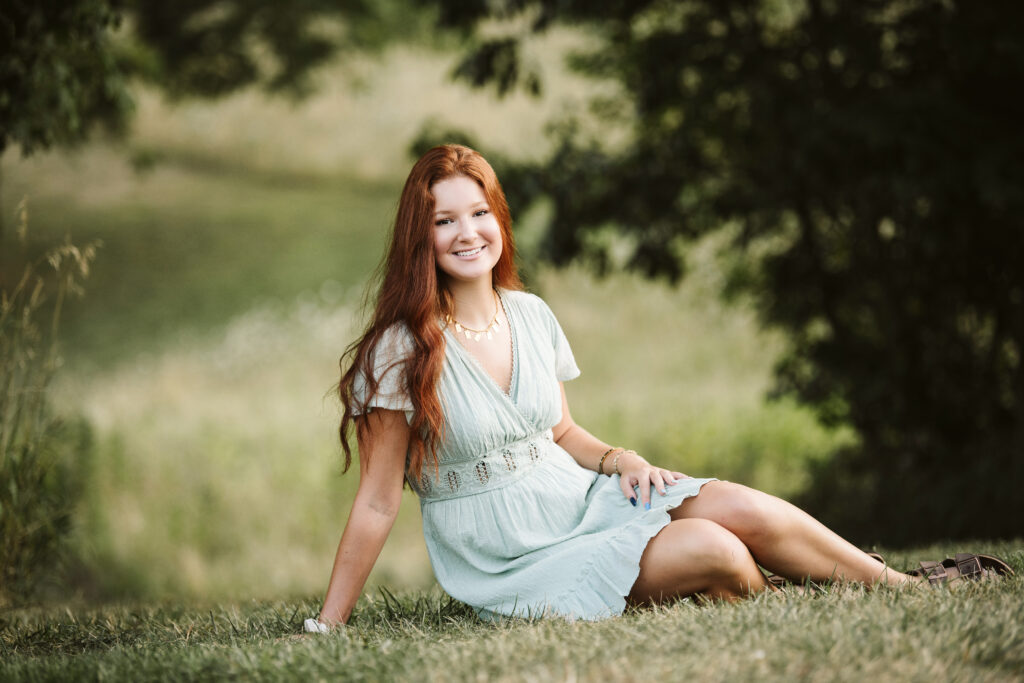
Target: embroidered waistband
{"points": [[494, 469]]}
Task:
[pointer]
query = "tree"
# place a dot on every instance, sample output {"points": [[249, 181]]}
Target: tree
{"points": [[64, 65], [59, 72], [209, 48], [868, 158]]}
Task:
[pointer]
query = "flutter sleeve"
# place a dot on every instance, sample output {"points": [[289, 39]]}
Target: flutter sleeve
{"points": [[565, 363], [389, 357]]}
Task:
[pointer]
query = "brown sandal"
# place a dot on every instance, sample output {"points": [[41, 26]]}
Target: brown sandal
{"points": [[963, 566]]}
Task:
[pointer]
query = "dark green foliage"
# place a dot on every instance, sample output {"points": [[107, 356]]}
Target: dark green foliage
{"points": [[497, 61], [209, 48], [64, 69], [59, 72], [869, 157], [41, 487]]}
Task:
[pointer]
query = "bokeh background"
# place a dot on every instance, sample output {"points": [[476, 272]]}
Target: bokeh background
{"points": [[243, 189]]}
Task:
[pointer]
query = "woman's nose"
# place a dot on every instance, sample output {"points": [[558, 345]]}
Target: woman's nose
{"points": [[466, 227]]}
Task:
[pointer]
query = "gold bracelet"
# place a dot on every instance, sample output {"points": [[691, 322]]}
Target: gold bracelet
{"points": [[615, 462], [600, 463]]}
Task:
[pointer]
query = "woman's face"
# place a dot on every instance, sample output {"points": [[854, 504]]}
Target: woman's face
{"points": [[467, 237]]}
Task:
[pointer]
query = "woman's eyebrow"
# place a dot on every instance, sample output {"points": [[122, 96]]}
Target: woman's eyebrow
{"points": [[442, 212]]}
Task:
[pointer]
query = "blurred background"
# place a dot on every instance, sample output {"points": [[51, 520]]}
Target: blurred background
{"points": [[783, 238]]}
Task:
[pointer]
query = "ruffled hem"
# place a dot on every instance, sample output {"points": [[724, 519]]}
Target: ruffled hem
{"points": [[608, 574]]}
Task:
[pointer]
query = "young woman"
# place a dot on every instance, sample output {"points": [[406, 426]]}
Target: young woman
{"points": [[456, 387]]}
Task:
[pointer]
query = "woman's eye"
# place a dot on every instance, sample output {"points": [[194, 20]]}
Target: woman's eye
{"points": [[442, 221], [482, 212]]}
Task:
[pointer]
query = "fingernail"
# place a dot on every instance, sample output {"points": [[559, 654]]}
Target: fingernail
{"points": [[633, 501], [647, 506], [662, 492], [671, 481]]}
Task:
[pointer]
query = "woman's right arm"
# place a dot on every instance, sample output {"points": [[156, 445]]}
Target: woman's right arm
{"points": [[381, 469]]}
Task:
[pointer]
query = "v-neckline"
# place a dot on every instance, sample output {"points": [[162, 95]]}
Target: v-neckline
{"points": [[513, 378]]}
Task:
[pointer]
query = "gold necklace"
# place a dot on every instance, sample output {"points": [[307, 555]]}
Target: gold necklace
{"points": [[475, 335]]}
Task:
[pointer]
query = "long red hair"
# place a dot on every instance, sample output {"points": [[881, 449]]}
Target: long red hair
{"points": [[413, 291]]}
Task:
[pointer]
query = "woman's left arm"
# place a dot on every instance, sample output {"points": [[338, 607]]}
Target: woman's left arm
{"points": [[588, 450]]}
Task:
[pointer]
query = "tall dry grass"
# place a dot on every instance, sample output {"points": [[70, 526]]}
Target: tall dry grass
{"points": [[38, 458]]}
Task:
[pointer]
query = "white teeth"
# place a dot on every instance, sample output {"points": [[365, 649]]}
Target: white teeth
{"points": [[469, 252]]}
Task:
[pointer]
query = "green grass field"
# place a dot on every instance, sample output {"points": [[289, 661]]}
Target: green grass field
{"points": [[972, 633]]}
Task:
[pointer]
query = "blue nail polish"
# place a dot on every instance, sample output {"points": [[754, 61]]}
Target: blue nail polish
{"points": [[633, 501], [647, 506]]}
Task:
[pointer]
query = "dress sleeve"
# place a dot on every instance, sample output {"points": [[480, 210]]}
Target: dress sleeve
{"points": [[389, 357], [565, 364]]}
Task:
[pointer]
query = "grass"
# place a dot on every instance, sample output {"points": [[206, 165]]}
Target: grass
{"points": [[844, 634], [186, 247]]}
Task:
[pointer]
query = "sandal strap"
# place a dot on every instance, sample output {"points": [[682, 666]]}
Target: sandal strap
{"points": [[935, 572], [992, 563], [969, 565]]}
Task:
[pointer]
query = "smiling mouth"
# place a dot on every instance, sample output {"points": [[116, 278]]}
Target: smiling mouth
{"points": [[469, 252]]}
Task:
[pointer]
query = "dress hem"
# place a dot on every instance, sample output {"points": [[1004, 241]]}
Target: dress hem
{"points": [[608, 575]]}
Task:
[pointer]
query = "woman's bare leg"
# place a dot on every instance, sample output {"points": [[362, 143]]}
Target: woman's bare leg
{"points": [[782, 537], [696, 556]]}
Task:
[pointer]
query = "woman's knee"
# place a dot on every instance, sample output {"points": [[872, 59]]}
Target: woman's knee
{"points": [[695, 556], [688, 556], [746, 512], [723, 554], [713, 551]]}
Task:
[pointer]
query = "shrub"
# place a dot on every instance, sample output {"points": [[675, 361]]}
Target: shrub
{"points": [[38, 486]]}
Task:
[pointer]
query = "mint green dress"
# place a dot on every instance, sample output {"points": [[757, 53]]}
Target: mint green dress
{"points": [[513, 525]]}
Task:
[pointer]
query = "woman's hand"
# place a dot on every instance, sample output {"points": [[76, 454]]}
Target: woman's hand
{"points": [[635, 471]]}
